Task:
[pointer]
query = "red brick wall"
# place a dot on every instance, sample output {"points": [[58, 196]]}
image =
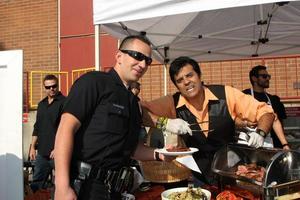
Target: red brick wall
{"points": [[285, 72], [30, 25]]}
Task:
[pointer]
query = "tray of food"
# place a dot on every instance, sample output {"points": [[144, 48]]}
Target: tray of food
{"points": [[271, 172], [186, 193]]}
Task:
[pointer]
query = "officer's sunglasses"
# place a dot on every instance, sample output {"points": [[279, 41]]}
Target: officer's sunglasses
{"points": [[138, 56], [48, 87], [265, 76]]}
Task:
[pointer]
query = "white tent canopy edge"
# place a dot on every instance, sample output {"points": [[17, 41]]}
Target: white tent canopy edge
{"points": [[205, 30], [113, 11]]}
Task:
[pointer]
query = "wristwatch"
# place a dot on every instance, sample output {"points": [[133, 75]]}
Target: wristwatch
{"points": [[261, 132]]}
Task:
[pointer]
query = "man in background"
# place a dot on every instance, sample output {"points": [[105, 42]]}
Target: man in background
{"points": [[135, 88], [260, 81], [43, 136]]}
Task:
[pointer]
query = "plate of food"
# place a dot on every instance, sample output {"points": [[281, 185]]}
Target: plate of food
{"points": [[177, 151], [184, 193]]}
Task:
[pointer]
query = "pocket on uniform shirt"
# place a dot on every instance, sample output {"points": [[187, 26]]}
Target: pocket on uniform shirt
{"points": [[118, 118]]}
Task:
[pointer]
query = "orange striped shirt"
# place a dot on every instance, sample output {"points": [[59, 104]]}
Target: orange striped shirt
{"points": [[238, 103]]}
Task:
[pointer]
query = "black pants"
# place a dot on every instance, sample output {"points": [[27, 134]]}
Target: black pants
{"points": [[96, 190]]}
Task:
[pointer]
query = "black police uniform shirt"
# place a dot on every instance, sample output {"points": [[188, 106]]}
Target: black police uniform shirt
{"points": [[47, 121], [277, 106], [110, 120]]}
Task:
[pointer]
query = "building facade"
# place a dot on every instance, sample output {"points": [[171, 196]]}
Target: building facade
{"points": [[59, 36]]}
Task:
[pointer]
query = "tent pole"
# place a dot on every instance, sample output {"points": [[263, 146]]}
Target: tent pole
{"points": [[97, 48], [166, 60], [58, 35], [165, 79]]}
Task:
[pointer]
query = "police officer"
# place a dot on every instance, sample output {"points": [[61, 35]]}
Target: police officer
{"points": [[99, 129]]}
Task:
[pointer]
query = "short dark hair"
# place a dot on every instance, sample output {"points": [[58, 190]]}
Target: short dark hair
{"points": [[50, 77], [130, 38], [254, 71], [179, 63]]}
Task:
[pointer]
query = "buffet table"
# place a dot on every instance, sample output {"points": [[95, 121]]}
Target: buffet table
{"points": [[247, 172], [154, 193]]}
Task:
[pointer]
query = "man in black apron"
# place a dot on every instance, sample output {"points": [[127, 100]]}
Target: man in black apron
{"points": [[260, 81], [210, 111]]}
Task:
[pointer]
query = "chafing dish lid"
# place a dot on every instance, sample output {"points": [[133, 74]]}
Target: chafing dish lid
{"points": [[281, 166]]}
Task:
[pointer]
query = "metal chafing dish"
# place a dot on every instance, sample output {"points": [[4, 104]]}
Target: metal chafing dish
{"points": [[282, 170]]}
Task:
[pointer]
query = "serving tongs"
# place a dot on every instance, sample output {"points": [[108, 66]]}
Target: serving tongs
{"points": [[198, 123], [241, 139], [207, 130]]}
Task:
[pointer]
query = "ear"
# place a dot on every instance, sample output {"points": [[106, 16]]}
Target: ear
{"points": [[118, 56], [254, 78]]}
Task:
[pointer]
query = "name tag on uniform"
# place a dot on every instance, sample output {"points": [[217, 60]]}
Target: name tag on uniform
{"points": [[119, 110], [118, 106]]}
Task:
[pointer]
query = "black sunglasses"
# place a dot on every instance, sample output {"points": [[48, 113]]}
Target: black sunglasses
{"points": [[265, 76], [50, 86], [138, 56]]}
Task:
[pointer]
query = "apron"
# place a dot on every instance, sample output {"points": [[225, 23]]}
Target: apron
{"points": [[268, 139]]}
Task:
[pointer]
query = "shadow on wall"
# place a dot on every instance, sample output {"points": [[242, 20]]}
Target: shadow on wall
{"points": [[11, 173]]}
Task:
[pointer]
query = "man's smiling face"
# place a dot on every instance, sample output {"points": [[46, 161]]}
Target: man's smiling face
{"points": [[188, 82]]}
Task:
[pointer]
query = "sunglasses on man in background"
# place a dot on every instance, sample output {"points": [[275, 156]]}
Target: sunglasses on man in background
{"points": [[138, 56], [48, 87], [265, 76]]}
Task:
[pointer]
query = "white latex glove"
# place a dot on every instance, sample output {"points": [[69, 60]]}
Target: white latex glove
{"points": [[255, 140], [178, 126], [243, 138]]}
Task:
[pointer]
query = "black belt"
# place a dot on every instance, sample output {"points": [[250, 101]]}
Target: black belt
{"points": [[116, 181], [101, 174]]}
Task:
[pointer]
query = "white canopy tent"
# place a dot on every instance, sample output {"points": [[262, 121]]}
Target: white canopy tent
{"points": [[203, 29]]}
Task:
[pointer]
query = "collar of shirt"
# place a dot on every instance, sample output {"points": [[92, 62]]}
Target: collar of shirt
{"points": [[117, 78], [200, 115], [58, 96]]}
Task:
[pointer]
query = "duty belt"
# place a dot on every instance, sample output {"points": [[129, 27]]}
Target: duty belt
{"points": [[116, 181]]}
